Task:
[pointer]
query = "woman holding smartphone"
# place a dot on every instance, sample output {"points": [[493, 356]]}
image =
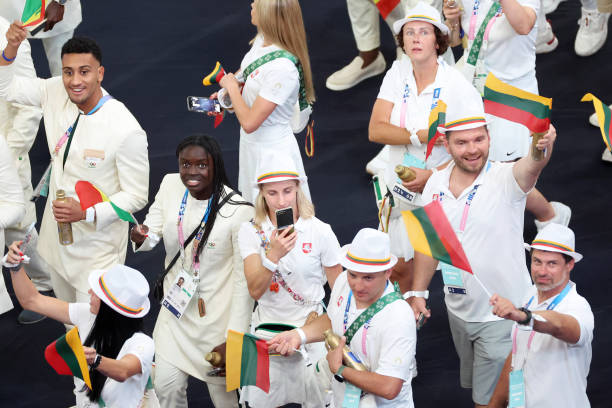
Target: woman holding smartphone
{"points": [[285, 271], [273, 85]]}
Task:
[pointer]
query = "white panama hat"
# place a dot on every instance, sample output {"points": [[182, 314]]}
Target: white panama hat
{"points": [[464, 108], [421, 12], [556, 238], [369, 252], [273, 167], [123, 289]]}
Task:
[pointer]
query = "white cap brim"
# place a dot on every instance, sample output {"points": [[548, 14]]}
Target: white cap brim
{"points": [[577, 257]]}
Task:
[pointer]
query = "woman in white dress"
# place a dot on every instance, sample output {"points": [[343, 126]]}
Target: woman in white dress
{"points": [[266, 104], [285, 271]]}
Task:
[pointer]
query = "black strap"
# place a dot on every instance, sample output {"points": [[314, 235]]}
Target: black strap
{"points": [[158, 289], [74, 126]]}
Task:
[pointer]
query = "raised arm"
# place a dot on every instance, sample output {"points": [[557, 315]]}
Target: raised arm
{"points": [[527, 170], [521, 18]]}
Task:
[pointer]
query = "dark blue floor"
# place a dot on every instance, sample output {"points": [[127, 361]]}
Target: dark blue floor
{"points": [[156, 53]]}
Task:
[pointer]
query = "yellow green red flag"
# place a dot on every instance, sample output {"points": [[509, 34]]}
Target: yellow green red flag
{"points": [[67, 357], [437, 117], [247, 361], [603, 117], [215, 76], [33, 12], [91, 195]]}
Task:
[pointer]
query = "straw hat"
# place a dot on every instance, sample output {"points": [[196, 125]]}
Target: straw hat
{"points": [[421, 12], [369, 252], [123, 289], [555, 238]]}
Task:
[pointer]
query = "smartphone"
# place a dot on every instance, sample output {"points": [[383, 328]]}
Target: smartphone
{"points": [[284, 219], [421, 320], [202, 104]]}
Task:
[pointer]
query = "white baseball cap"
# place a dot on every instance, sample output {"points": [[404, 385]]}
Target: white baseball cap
{"points": [[369, 252]]}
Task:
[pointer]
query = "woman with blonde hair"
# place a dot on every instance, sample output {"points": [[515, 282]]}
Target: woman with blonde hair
{"points": [[274, 77], [286, 269]]}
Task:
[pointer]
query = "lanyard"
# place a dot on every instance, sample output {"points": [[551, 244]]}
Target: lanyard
{"points": [[404, 108], [551, 306], [195, 263], [468, 202], [366, 325], [474, 17]]}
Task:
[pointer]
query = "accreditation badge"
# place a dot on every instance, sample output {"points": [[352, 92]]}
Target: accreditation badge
{"points": [[180, 294], [453, 279], [516, 390], [352, 395]]}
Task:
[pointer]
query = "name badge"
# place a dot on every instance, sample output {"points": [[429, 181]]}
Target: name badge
{"points": [[404, 194], [453, 279], [180, 294], [352, 395], [93, 157], [516, 391]]}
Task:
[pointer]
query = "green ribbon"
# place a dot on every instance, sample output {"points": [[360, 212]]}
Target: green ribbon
{"points": [[371, 311], [281, 54], [477, 44]]}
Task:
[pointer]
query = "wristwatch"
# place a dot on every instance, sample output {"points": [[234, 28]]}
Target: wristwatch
{"points": [[527, 319], [96, 362], [338, 376]]}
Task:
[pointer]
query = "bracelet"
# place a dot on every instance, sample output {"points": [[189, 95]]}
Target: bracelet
{"points": [[527, 319], [302, 335], [96, 362], [7, 59], [412, 293], [268, 264], [414, 138]]}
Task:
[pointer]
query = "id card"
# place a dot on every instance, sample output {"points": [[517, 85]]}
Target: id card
{"points": [[180, 294], [404, 194], [352, 395], [453, 279], [516, 392], [410, 160]]}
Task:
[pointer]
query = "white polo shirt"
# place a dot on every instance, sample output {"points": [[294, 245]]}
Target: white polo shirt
{"points": [[390, 341], [492, 239], [555, 371]]}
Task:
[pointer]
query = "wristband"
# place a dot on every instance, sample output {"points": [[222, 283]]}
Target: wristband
{"points": [[528, 319], [414, 138], [90, 215], [338, 376], [96, 362], [268, 264], [7, 59], [423, 293], [302, 335]]}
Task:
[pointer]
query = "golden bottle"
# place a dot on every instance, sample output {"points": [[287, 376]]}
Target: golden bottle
{"points": [[214, 358], [332, 340], [405, 173], [64, 229]]}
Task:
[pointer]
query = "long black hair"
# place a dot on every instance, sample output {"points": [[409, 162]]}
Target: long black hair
{"points": [[220, 180], [108, 334]]}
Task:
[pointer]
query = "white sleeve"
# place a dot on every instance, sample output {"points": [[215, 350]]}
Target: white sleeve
{"points": [[248, 240], [533, 4], [155, 218], [583, 314], [330, 245], [513, 191], [79, 314], [141, 346], [391, 89], [397, 343], [279, 82], [12, 208]]}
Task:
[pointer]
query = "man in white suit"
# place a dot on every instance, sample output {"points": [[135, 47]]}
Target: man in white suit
{"points": [[63, 16], [90, 137]]}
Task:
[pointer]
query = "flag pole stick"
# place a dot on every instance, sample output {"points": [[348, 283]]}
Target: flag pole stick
{"points": [[482, 285]]}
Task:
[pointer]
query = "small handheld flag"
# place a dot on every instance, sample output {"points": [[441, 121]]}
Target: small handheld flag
{"points": [[33, 12], [247, 361], [437, 117], [603, 117], [386, 6], [91, 195], [514, 104], [67, 357], [215, 76]]}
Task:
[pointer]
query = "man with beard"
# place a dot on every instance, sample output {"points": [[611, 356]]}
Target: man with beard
{"points": [[92, 137], [485, 204]]}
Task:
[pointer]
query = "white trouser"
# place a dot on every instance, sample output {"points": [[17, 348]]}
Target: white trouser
{"points": [[171, 388], [53, 49], [365, 23], [37, 269], [65, 291]]}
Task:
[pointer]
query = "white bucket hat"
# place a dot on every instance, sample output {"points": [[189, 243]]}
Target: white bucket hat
{"points": [[464, 110], [123, 289], [555, 238], [369, 252], [275, 167], [421, 12]]}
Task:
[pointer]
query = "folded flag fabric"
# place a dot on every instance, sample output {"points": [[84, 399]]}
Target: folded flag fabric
{"points": [[91, 195], [437, 117], [386, 6], [215, 76], [431, 234], [67, 357], [33, 12], [603, 117], [247, 361], [514, 104]]}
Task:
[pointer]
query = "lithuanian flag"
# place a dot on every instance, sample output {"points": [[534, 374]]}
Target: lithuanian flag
{"points": [[215, 76], [247, 361], [514, 104], [386, 6], [67, 357], [437, 117], [33, 12], [603, 117], [91, 195], [431, 234]]}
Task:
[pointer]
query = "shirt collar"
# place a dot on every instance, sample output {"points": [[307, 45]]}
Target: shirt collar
{"points": [[479, 180], [438, 81]]}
